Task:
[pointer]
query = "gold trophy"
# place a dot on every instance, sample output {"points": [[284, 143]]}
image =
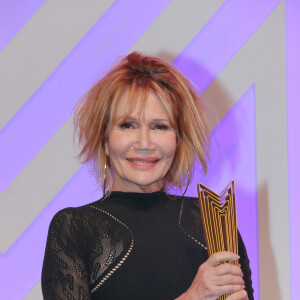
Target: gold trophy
{"points": [[218, 214]]}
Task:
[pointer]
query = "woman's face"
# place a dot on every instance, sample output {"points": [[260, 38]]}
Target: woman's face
{"points": [[141, 148]]}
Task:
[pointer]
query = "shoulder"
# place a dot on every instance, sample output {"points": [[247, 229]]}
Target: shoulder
{"points": [[86, 222], [190, 220], [191, 204], [191, 215], [186, 205], [69, 213], [191, 200]]}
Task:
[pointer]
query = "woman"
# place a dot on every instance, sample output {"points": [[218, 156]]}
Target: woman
{"points": [[141, 126]]}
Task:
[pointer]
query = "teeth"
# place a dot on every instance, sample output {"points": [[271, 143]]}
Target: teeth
{"points": [[142, 161]]}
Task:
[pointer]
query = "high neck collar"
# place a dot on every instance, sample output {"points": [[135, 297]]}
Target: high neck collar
{"points": [[133, 196]]}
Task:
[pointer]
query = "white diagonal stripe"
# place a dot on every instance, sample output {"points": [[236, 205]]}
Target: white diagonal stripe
{"points": [[40, 46], [176, 26], [39, 182]]}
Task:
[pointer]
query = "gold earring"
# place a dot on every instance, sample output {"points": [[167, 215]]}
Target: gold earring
{"points": [[187, 182], [104, 180], [187, 185]]}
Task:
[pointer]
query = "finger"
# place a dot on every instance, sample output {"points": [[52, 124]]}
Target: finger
{"points": [[240, 295], [223, 269], [230, 289], [228, 280], [218, 257]]}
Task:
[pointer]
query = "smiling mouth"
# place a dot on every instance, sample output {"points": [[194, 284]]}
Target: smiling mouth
{"points": [[146, 160]]}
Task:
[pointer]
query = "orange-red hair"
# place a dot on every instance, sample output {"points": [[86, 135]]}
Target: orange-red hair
{"points": [[138, 74]]}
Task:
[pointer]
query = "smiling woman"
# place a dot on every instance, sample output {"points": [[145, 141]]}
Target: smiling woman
{"points": [[142, 126], [129, 84], [141, 148]]}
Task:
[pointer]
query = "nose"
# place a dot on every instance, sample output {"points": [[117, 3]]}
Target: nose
{"points": [[144, 139]]}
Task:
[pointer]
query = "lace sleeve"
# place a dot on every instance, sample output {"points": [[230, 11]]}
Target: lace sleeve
{"points": [[64, 274], [245, 265]]}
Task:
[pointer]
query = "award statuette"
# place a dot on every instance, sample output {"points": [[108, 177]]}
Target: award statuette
{"points": [[218, 214]]}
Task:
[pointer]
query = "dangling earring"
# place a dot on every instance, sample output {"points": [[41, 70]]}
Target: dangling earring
{"points": [[104, 180], [188, 181], [187, 185]]}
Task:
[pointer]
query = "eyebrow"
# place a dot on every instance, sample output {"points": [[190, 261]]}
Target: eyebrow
{"points": [[135, 119], [160, 120]]}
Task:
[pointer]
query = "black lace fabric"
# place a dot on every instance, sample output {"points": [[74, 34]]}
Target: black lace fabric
{"points": [[68, 272], [127, 247]]}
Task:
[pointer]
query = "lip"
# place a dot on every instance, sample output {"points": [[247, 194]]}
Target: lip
{"points": [[143, 163], [143, 159]]}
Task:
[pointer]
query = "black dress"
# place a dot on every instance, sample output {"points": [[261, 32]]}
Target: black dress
{"points": [[127, 246]]}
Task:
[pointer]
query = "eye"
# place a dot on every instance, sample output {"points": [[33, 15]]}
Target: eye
{"points": [[126, 125], [161, 127]]}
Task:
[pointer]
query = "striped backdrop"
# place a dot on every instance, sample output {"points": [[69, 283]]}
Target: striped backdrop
{"points": [[242, 54]]}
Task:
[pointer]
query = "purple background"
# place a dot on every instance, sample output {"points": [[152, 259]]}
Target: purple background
{"points": [[233, 140]]}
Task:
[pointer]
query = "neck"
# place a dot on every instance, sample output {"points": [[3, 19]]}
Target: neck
{"points": [[129, 187]]}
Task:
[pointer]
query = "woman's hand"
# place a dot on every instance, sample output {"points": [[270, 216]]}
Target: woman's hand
{"points": [[241, 295], [214, 279]]}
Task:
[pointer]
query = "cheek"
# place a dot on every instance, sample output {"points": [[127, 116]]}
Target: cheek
{"points": [[117, 144], [169, 145]]}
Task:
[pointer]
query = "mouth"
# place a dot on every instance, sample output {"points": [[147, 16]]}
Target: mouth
{"points": [[143, 162]]}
